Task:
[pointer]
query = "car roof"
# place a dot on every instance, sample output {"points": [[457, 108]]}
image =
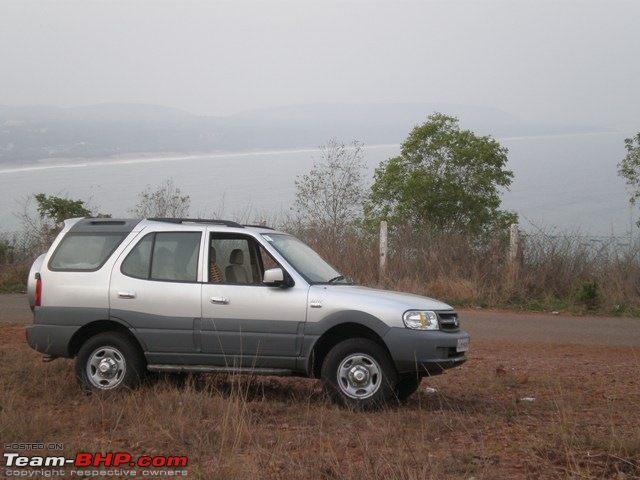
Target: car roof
{"points": [[91, 224]]}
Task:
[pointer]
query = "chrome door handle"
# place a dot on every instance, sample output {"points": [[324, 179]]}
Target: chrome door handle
{"points": [[220, 300], [126, 294]]}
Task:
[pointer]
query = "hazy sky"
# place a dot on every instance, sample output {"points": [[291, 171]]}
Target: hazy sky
{"points": [[560, 60]]}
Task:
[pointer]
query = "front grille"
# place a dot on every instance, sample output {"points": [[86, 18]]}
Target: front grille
{"points": [[448, 320], [449, 353], [453, 353]]}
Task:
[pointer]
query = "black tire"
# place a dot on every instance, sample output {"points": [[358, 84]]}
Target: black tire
{"points": [[109, 361], [358, 372], [406, 386]]}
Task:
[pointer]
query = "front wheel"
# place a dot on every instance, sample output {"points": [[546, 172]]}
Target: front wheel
{"points": [[358, 372], [109, 361], [407, 385]]}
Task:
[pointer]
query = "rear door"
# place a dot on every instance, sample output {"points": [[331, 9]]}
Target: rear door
{"points": [[155, 289]]}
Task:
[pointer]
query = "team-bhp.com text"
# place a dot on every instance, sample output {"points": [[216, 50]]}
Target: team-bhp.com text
{"points": [[94, 465]]}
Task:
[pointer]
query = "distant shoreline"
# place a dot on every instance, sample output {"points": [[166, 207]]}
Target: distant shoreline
{"points": [[149, 157], [158, 157]]}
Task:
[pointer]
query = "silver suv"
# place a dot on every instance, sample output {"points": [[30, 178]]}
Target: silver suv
{"points": [[178, 295]]}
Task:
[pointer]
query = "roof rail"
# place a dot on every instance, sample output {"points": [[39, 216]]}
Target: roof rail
{"points": [[227, 223], [258, 226]]}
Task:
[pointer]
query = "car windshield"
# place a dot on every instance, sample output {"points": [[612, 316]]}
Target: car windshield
{"points": [[305, 260]]}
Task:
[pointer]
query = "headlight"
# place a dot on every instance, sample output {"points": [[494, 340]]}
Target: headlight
{"points": [[420, 320]]}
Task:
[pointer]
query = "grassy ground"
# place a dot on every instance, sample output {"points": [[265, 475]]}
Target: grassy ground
{"points": [[513, 411]]}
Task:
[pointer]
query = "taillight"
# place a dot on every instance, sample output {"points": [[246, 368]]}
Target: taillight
{"points": [[38, 290]]}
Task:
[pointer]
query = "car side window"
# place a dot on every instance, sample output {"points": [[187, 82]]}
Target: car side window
{"points": [[84, 252], [268, 261], [168, 256], [236, 259]]}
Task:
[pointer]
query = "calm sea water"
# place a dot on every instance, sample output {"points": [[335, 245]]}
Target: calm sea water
{"points": [[568, 183]]}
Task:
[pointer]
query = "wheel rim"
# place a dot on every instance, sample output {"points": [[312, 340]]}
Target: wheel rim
{"points": [[106, 368], [359, 376]]}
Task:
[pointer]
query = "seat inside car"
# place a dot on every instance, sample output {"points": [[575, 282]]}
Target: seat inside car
{"points": [[235, 272]]}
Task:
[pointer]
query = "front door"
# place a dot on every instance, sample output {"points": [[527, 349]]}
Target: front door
{"points": [[245, 323]]}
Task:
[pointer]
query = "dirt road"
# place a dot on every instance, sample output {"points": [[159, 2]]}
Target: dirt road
{"points": [[14, 309], [546, 328], [481, 324]]}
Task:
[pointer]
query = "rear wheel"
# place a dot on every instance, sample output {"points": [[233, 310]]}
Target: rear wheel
{"points": [[358, 372], [109, 361]]}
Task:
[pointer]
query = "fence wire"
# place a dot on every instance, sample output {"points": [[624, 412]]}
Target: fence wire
{"points": [[593, 246], [18, 247]]}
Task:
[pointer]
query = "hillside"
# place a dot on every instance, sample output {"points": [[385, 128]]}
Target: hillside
{"points": [[34, 133]]}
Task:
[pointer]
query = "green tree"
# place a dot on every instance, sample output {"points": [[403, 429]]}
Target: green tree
{"points": [[629, 167], [52, 212], [58, 209], [444, 178], [165, 201], [329, 197]]}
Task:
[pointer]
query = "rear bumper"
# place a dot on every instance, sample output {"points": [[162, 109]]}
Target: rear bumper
{"points": [[51, 339], [54, 327], [425, 352]]}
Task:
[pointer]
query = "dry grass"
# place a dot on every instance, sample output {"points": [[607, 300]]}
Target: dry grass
{"points": [[553, 273], [556, 272], [513, 411]]}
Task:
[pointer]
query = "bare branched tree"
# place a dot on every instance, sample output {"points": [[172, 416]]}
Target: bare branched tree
{"points": [[330, 196], [165, 201]]}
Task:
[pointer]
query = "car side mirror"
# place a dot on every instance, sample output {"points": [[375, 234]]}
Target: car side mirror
{"points": [[276, 277]]}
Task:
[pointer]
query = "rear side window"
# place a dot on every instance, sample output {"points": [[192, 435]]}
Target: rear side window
{"points": [[169, 256], [84, 252]]}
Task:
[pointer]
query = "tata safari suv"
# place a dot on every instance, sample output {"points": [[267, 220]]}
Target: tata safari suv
{"points": [[174, 295]]}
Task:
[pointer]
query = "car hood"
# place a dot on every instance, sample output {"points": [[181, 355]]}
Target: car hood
{"points": [[386, 305]]}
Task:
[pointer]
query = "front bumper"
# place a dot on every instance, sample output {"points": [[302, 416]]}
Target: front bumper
{"points": [[425, 352]]}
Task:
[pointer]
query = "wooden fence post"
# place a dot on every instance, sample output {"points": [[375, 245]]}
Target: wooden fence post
{"points": [[513, 258], [383, 249]]}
